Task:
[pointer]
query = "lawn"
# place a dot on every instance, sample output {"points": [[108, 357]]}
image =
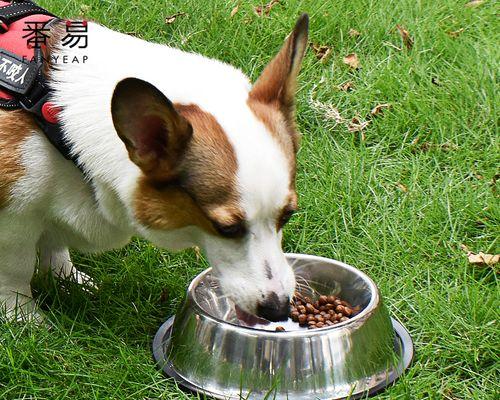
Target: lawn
{"points": [[396, 199]]}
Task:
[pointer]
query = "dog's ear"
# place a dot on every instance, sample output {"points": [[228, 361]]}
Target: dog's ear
{"points": [[154, 133], [277, 83]]}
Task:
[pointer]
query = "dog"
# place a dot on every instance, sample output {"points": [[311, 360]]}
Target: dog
{"points": [[173, 147]]}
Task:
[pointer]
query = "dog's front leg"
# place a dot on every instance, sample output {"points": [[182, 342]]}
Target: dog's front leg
{"points": [[17, 265], [54, 257]]}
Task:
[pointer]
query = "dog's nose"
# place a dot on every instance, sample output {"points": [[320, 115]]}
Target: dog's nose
{"points": [[273, 309]]}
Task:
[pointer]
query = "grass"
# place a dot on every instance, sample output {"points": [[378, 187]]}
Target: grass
{"points": [[397, 203]]}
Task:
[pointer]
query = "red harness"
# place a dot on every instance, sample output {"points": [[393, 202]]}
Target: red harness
{"points": [[24, 28]]}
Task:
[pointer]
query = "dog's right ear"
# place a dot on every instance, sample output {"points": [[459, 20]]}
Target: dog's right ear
{"points": [[154, 133], [276, 85]]}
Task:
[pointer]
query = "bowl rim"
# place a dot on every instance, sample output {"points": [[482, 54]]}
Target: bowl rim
{"points": [[374, 301]]}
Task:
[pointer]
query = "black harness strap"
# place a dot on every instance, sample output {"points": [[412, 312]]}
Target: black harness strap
{"points": [[17, 10]]}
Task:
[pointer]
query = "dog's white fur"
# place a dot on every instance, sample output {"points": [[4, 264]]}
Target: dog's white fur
{"points": [[53, 207]]}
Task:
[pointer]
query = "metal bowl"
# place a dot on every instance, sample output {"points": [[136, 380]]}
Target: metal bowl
{"points": [[207, 350]]}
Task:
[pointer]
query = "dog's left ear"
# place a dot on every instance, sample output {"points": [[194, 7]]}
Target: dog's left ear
{"points": [[154, 133], [277, 84]]}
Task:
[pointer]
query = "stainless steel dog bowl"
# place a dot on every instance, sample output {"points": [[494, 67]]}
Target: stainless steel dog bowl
{"points": [[206, 350]]}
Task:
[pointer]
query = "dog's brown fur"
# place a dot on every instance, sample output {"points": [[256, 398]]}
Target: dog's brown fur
{"points": [[206, 188], [272, 97], [15, 128]]}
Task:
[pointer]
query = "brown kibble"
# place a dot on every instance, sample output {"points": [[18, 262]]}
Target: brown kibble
{"points": [[280, 329], [326, 311], [298, 296]]}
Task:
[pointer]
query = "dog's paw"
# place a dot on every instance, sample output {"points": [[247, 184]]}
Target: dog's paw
{"points": [[78, 277], [20, 308]]}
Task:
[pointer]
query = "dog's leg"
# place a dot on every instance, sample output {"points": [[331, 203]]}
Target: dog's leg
{"points": [[17, 265], [56, 258]]}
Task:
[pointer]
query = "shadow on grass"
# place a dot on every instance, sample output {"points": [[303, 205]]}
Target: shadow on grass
{"points": [[138, 288]]}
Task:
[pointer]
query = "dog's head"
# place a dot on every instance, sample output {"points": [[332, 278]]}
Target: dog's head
{"points": [[226, 185]]}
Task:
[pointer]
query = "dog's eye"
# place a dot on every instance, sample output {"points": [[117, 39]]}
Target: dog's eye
{"points": [[285, 217], [237, 230]]}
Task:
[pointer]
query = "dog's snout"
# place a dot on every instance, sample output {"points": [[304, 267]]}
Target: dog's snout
{"points": [[274, 309]]}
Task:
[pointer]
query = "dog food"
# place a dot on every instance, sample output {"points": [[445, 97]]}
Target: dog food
{"points": [[326, 311]]}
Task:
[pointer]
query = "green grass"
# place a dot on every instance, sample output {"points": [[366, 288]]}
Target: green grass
{"points": [[438, 140]]}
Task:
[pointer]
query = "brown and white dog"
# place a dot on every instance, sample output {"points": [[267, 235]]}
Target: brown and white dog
{"points": [[176, 148]]}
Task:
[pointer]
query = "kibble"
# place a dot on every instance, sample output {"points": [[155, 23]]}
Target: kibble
{"points": [[310, 308], [325, 311]]}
